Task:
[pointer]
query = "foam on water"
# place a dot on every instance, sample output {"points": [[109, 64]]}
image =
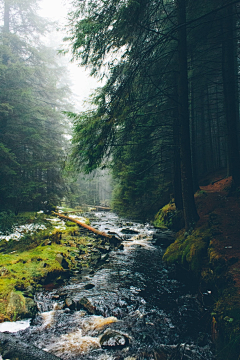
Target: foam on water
{"points": [[14, 326], [73, 344], [48, 317], [98, 322]]}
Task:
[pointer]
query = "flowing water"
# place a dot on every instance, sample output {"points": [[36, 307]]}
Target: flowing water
{"points": [[141, 311]]}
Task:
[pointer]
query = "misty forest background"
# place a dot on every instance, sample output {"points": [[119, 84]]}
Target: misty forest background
{"points": [[166, 117]]}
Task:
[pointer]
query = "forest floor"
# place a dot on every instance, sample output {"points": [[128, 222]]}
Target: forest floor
{"points": [[219, 210], [226, 221]]}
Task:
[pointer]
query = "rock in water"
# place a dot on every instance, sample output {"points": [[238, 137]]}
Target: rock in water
{"points": [[87, 305], [113, 339], [13, 349]]}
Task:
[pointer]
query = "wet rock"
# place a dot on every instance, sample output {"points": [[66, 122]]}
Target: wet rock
{"points": [[87, 305], [129, 231], [104, 249], [112, 339], [104, 257], [69, 303], [89, 286], [56, 297]]}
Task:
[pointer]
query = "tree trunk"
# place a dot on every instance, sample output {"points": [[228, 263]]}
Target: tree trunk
{"points": [[177, 187], [230, 86], [189, 207]]}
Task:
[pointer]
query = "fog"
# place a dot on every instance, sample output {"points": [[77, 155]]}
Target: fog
{"points": [[81, 83]]}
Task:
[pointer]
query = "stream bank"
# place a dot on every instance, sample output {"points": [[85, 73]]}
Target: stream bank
{"points": [[211, 254], [45, 259]]}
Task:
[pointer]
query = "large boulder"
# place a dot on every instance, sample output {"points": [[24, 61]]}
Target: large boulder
{"points": [[20, 307]]}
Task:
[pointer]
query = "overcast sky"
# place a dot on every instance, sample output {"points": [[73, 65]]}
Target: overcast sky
{"points": [[82, 83]]}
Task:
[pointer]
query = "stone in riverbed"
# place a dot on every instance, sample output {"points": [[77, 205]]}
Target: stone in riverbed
{"points": [[87, 305], [89, 286], [69, 303], [112, 339]]}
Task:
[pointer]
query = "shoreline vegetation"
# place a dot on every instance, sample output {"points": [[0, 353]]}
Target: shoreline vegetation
{"points": [[46, 259]]}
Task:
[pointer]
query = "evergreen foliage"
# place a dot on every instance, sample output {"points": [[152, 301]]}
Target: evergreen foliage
{"points": [[32, 96], [168, 113]]}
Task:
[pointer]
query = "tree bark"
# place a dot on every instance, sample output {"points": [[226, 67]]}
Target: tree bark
{"points": [[189, 207], [230, 86]]}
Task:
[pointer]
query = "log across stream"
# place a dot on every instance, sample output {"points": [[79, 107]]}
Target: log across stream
{"points": [[131, 308]]}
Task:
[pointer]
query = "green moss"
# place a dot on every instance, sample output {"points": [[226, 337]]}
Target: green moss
{"points": [[24, 269], [189, 250], [169, 218], [87, 222]]}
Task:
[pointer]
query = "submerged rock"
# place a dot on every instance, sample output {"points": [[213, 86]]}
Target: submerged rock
{"points": [[113, 339]]}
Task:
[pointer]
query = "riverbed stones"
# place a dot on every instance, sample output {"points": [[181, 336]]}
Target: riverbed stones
{"points": [[112, 339], [87, 305]]}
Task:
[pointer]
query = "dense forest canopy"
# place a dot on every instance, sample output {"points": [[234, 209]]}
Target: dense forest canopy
{"points": [[169, 111]]}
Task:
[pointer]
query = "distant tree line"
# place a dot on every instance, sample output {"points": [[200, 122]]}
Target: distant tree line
{"points": [[33, 94], [168, 113]]}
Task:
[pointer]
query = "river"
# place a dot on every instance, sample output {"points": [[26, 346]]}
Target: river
{"points": [[141, 310]]}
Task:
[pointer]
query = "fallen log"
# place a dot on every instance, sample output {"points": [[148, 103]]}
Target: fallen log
{"points": [[98, 232], [14, 349]]}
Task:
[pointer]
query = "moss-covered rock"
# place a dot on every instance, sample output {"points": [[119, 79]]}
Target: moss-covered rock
{"points": [[19, 307], [189, 250], [169, 218]]}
